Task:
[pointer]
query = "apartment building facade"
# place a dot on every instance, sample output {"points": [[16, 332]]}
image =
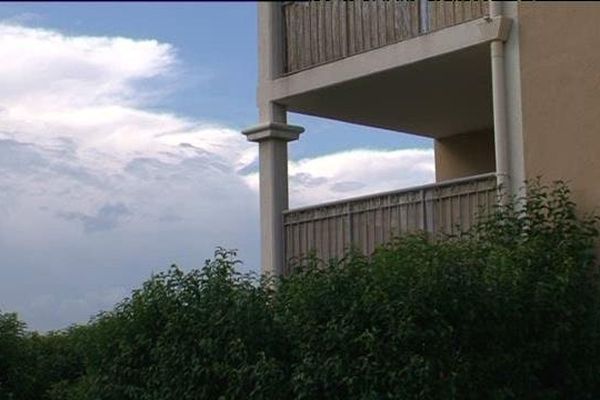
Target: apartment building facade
{"points": [[507, 90]]}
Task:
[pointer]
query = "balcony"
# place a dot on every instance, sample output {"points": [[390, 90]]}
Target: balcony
{"points": [[365, 222], [319, 32], [418, 67]]}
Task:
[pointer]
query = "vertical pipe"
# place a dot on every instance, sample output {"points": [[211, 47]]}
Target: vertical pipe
{"points": [[499, 107]]}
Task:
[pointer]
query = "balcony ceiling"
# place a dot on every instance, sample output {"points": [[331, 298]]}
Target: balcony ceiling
{"points": [[436, 97]]}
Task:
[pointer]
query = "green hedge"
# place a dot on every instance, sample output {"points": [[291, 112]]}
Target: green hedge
{"points": [[509, 310]]}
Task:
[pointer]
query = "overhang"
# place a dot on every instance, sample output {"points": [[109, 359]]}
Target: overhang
{"points": [[434, 85]]}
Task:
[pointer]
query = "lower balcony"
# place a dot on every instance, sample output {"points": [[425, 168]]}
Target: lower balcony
{"points": [[330, 229]]}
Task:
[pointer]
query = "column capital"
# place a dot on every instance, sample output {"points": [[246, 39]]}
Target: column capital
{"points": [[273, 130]]}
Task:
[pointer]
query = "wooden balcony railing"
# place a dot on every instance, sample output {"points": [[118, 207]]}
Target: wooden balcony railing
{"points": [[317, 32], [365, 222]]}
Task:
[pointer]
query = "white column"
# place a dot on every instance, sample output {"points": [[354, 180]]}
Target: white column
{"points": [[270, 40], [272, 135], [272, 138]]}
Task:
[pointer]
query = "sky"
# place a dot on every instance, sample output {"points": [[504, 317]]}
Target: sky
{"points": [[121, 152]]}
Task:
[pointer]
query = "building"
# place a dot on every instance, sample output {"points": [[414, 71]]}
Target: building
{"points": [[508, 90]]}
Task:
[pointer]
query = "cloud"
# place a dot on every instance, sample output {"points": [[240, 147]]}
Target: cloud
{"points": [[355, 173], [48, 71], [98, 189], [106, 218]]}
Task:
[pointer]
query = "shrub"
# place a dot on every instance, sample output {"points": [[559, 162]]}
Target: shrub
{"points": [[509, 310], [205, 334], [13, 364], [34, 366]]}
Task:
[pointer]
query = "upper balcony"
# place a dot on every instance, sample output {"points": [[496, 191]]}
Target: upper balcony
{"points": [[319, 32], [420, 67]]}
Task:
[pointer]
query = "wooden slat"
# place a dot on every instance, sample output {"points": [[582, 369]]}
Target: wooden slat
{"points": [[390, 31], [485, 8], [341, 233], [366, 24], [413, 20], [318, 239], [381, 23], [467, 10], [314, 32], [351, 28], [399, 23], [323, 31], [328, 32], [440, 21], [459, 7], [373, 31], [299, 27], [358, 35], [450, 17], [337, 30], [299, 17], [378, 218], [343, 28], [477, 9], [328, 240], [306, 45], [432, 10], [334, 30]]}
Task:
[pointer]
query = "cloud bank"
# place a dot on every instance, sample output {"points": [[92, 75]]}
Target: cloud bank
{"points": [[98, 189]]}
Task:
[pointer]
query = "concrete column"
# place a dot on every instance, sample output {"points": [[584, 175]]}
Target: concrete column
{"points": [[272, 138], [272, 135], [270, 40]]}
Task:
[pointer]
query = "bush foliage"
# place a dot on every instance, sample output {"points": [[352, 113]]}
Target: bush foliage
{"points": [[509, 310]]}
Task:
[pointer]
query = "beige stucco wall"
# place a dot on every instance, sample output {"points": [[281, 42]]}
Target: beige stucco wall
{"points": [[560, 83], [464, 155]]}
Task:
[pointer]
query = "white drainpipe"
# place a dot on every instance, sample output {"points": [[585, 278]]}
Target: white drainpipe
{"points": [[499, 105]]}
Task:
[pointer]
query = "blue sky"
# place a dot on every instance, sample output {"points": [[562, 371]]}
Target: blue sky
{"points": [[120, 150], [216, 43]]}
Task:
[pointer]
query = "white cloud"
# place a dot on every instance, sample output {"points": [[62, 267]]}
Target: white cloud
{"points": [[97, 190], [43, 69], [355, 173], [358, 172]]}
